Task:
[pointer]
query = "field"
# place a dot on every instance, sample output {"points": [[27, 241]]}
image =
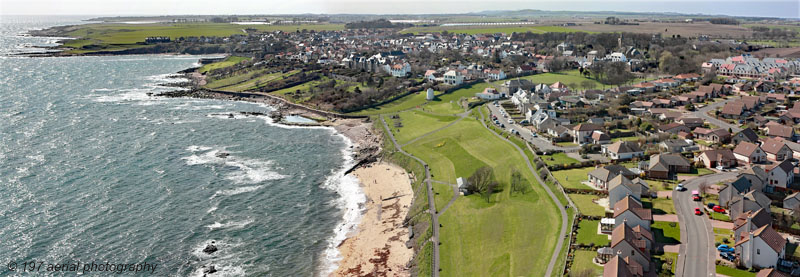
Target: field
{"points": [[482, 29], [587, 233], [670, 29], [416, 123], [583, 262], [572, 178], [229, 61], [558, 159], [586, 206], [571, 78], [501, 237]]}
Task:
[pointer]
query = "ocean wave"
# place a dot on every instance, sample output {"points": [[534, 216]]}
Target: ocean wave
{"points": [[250, 171], [240, 190], [229, 225], [351, 203]]}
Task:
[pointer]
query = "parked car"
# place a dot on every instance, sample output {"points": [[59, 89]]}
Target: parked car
{"points": [[711, 205], [680, 187], [535, 135], [728, 256], [719, 209], [725, 248], [697, 211]]}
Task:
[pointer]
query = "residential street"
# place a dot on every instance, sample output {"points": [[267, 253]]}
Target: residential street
{"points": [[697, 253], [703, 113], [539, 142]]}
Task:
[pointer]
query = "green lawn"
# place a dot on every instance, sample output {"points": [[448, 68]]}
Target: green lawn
{"points": [[587, 233], [244, 82], [571, 78], [665, 258], [443, 195], [720, 234], [586, 206], [572, 178], [229, 61], [416, 123], [663, 206], [408, 102], [720, 216], [558, 159], [583, 262], [733, 272], [443, 107], [491, 30], [665, 233], [697, 172], [502, 237]]}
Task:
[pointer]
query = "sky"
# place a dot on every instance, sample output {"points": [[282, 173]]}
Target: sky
{"points": [[766, 8]]}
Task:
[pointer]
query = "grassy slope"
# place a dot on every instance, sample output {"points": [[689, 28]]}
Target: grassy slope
{"points": [[498, 238], [229, 61], [416, 123]]}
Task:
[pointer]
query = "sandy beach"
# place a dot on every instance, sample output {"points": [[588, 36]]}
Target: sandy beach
{"points": [[379, 246]]}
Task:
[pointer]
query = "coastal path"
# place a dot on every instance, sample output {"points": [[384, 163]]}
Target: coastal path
{"points": [[564, 219], [697, 254]]}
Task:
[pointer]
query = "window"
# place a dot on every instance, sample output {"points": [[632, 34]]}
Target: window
{"points": [[758, 251]]}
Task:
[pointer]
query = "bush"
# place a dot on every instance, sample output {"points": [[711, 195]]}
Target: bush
{"points": [[673, 224], [717, 244]]}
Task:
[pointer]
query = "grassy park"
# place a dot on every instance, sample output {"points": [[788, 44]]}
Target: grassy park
{"points": [[415, 123]]}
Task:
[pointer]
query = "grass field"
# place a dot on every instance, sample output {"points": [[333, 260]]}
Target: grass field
{"points": [[665, 233], [732, 272], [471, 30], [571, 78], [572, 178], [586, 206], [583, 262], [558, 159], [479, 238], [587, 233], [229, 61], [416, 123]]}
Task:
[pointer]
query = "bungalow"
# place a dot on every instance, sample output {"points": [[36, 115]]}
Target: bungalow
{"points": [[558, 131], [600, 138], [745, 134], [582, 133], [673, 128], [776, 150], [717, 157], [792, 201], [628, 243], [718, 135], [629, 211], [749, 153], [690, 122], [782, 131], [779, 176], [732, 189], [665, 166], [750, 221], [663, 103], [602, 175], [687, 77], [623, 150], [678, 145], [761, 248], [733, 109]]}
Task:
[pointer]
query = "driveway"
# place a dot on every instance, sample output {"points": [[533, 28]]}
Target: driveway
{"points": [[539, 142], [697, 253], [703, 113]]}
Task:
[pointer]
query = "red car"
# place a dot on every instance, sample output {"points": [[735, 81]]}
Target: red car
{"points": [[697, 211], [719, 209]]}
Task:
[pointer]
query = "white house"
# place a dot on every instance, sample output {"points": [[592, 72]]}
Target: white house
{"points": [[779, 176], [749, 153], [496, 74], [398, 70], [623, 150], [617, 57], [453, 77], [761, 248]]}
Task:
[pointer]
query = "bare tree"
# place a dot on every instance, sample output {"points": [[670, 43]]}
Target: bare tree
{"points": [[517, 183], [703, 187], [481, 180]]}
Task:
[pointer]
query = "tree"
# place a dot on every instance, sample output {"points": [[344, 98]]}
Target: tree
{"points": [[587, 84], [481, 181], [517, 182], [703, 187]]}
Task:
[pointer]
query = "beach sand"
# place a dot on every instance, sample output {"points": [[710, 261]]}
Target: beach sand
{"points": [[379, 246]]}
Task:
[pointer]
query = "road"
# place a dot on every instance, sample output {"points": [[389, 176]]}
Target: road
{"points": [[697, 253], [431, 203], [539, 142], [703, 113], [564, 220]]}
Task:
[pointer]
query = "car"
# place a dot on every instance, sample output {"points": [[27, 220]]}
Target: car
{"points": [[695, 197], [728, 256], [680, 187], [502, 125], [535, 135], [711, 205], [718, 209], [697, 211], [724, 248]]}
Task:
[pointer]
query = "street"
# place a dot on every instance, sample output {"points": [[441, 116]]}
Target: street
{"points": [[697, 253], [539, 142], [703, 113]]}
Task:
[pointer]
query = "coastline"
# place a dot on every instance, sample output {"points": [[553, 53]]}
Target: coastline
{"points": [[379, 245]]}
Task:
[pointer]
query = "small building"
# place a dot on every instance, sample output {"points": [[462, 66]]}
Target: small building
{"points": [[430, 94]]}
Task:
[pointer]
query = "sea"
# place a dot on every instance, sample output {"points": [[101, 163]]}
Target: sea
{"points": [[93, 169]]}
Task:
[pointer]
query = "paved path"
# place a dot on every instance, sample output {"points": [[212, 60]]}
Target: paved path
{"points": [[564, 220], [703, 113], [697, 253], [665, 217], [431, 203], [722, 224]]}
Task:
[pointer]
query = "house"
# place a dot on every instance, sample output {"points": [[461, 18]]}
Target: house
{"points": [[673, 128], [630, 212], [559, 131], [738, 187], [628, 243], [665, 166], [602, 175], [749, 153], [582, 133], [782, 131], [792, 201], [496, 74], [748, 202], [757, 177], [678, 145], [717, 157], [776, 150], [779, 176], [746, 134], [489, 94], [761, 248], [750, 221], [600, 138], [718, 135], [733, 109], [453, 77], [690, 122], [622, 267], [623, 150]]}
